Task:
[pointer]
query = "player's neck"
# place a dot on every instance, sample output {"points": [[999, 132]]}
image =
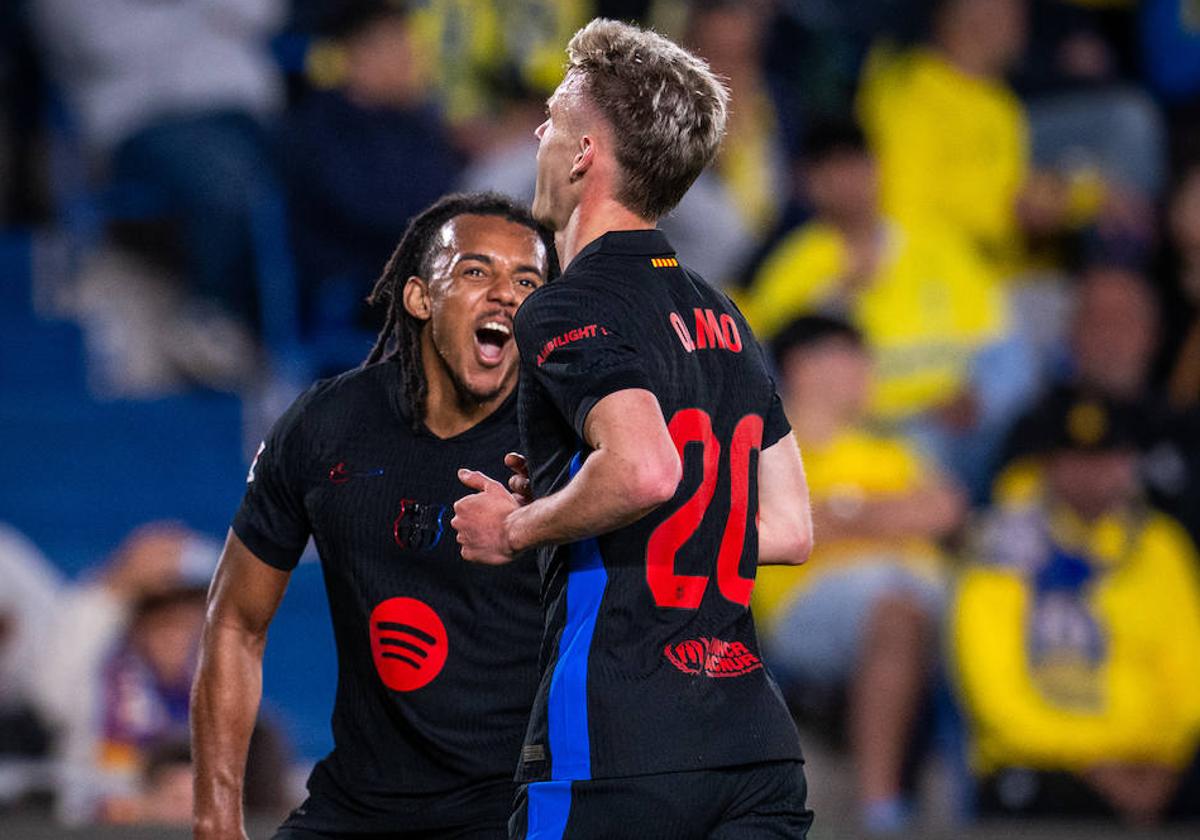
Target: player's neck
{"points": [[449, 413], [590, 220]]}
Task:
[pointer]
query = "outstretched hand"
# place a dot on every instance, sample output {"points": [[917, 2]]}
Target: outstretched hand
{"points": [[480, 518]]}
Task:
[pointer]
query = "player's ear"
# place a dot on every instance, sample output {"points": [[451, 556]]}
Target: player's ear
{"points": [[416, 298], [584, 157]]}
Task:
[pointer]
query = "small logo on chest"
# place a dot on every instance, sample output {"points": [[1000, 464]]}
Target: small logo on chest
{"points": [[420, 526], [340, 473]]}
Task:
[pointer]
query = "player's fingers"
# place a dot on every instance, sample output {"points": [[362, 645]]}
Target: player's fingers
{"points": [[475, 480], [519, 485], [516, 462]]}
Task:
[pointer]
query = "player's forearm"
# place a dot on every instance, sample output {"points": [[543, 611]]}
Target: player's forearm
{"points": [[785, 543], [609, 492], [225, 699]]}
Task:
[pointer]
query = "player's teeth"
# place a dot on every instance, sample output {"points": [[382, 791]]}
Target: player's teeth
{"points": [[498, 327]]}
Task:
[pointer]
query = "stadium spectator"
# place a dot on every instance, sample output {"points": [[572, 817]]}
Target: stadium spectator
{"points": [[471, 44], [1085, 112], [856, 626], [363, 157], [1076, 631], [116, 668], [1113, 337], [1183, 220], [953, 139], [753, 160], [174, 97], [951, 369], [28, 591]]}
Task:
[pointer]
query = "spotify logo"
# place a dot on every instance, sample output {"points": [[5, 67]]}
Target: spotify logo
{"points": [[408, 643]]}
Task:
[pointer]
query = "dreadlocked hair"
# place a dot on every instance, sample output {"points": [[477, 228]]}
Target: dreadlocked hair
{"points": [[400, 337]]}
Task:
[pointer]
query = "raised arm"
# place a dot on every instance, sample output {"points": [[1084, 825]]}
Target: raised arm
{"points": [[242, 600], [634, 468], [785, 532]]}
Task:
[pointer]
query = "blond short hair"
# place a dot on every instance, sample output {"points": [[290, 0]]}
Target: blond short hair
{"points": [[667, 109]]}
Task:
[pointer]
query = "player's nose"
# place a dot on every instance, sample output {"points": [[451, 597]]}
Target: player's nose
{"points": [[541, 129], [504, 289]]}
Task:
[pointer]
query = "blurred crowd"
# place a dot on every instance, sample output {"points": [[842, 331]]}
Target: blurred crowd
{"points": [[968, 231]]}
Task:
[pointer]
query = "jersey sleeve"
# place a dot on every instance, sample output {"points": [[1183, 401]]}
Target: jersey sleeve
{"points": [[272, 520], [775, 422], [579, 346], [775, 425]]}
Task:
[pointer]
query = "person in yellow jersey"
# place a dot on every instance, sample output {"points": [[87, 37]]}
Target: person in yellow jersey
{"points": [[951, 369], [953, 139], [1075, 633], [860, 619]]}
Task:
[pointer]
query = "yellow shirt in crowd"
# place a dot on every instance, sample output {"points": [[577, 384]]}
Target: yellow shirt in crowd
{"points": [[1124, 682], [854, 466], [468, 41], [952, 149], [929, 307]]}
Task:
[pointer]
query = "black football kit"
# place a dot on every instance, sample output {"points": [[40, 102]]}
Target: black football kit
{"points": [[437, 657], [651, 671]]}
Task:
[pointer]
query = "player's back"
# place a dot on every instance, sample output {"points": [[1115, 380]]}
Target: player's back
{"points": [[651, 659]]}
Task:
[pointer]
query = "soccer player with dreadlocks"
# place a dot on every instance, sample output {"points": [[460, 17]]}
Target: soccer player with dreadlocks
{"points": [[437, 659]]}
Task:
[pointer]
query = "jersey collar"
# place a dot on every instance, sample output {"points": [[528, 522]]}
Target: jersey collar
{"points": [[630, 243]]}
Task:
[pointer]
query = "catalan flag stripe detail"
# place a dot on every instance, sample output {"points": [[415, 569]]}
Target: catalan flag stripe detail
{"points": [[664, 262]]}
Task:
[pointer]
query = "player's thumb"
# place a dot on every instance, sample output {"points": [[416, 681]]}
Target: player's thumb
{"points": [[473, 479]]}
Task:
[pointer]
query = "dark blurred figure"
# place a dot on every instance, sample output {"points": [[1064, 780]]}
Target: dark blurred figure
{"points": [[173, 97], [753, 159], [362, 158], [1182, 282], [1113, 338], [21, 190], [1076, 630], [1088, 117]]}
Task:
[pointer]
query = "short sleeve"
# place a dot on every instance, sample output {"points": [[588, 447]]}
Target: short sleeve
{"points": [[272, 520], [579, 346], [775, 425], [775, 422]]}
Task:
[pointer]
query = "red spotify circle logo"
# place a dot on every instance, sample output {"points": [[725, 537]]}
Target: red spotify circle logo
{"points": [[408, 643]]}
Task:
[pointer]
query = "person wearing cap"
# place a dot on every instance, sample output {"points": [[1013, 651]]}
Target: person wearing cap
{"points": [[1075, 631]]}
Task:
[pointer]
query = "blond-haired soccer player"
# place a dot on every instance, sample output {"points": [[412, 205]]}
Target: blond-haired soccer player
{"points": [[660, 472]]}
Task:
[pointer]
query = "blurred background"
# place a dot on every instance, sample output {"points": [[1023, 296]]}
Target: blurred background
{"points": [[968, 232]]}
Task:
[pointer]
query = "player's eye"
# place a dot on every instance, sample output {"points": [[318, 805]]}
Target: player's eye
{"points": [[475, 271], [529, 283]]}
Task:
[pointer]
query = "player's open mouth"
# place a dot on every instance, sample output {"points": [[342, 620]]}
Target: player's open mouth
{"points": [[491, 338]]}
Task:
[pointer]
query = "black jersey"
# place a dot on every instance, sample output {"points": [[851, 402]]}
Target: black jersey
{"points": [[437, 657], [650, 659]]}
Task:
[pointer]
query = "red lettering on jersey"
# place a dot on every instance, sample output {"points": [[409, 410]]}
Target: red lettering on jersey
{"points": [[713, 332], [708, 331], [712, 658], [566, 338], [729, 331], [681, 331]]}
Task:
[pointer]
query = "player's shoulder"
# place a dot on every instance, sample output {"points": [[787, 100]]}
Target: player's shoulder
{"points": [[577, 293], [352, 393]]}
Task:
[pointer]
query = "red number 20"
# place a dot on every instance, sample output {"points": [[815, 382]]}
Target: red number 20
{"points": [[693, 425]]}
